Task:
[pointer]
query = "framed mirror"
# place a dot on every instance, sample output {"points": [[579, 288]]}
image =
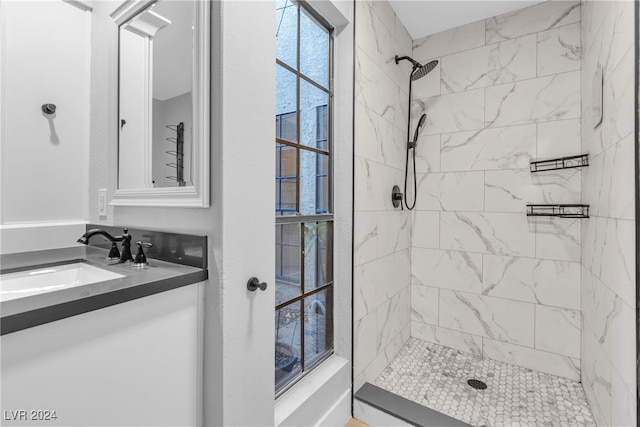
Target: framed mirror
{"points": [[163, 103]]}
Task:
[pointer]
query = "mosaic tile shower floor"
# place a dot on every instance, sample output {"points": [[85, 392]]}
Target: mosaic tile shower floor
{"points": [[436, 377]]}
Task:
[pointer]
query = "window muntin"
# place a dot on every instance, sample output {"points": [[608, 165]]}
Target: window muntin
{"points": [[304, 217]]}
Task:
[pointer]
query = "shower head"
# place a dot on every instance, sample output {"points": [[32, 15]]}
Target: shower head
{"points": [[419, 70], [423, 70], [412, 144]]}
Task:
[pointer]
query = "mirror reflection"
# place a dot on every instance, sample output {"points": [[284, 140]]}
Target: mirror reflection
{"points": [[156, 50]]}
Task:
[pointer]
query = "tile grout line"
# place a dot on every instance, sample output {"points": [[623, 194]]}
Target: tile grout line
{"points": [[465, 50]]}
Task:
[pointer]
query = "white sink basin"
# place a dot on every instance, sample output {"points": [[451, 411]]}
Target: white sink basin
{"points": [[42, 280]]}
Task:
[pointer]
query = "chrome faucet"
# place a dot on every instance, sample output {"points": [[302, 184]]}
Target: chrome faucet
{"points": [[113, 253]]}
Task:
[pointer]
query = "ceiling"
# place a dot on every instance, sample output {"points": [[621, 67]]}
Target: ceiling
{"points": [[424, 17]]}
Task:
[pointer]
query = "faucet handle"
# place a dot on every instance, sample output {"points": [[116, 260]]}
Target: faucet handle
{"points": [[114, 253], [141, 259]]}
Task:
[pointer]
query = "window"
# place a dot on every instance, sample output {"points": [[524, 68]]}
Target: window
{"points": [[285, 165], [304, 216], [322, 174]]}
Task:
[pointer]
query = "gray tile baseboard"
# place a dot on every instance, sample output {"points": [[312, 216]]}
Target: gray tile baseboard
{"points": [[404, 409]]}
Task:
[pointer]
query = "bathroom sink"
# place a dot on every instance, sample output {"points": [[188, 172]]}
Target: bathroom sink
{"points": [[48, 279]]}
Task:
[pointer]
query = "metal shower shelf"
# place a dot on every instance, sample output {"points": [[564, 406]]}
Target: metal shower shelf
{"points": [[560, 163], [178, 153], [561, 211]]}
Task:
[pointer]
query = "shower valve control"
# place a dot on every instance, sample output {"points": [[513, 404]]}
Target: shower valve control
{"points": [[254, 284], [396, 196]]}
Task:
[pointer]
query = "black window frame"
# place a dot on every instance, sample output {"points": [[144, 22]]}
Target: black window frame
{"points": [[323, 214]]}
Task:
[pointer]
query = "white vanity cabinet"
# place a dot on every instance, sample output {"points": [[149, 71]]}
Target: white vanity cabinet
{"points": [[137, 363]]}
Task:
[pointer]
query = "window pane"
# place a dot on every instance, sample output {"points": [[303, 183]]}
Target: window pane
{"points": [[288, 332], [314, 188], [322, 128], [318, 254], [287, 32], [286, 105], [288, 256], [310, 99], [314, 50], [286, 126], [286, 179], [318, 322], [322, 184]]}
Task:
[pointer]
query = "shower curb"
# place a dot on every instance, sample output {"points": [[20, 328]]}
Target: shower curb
{"points": [[404, 409]]}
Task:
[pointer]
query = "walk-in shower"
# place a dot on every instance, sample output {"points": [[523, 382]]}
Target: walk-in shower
{"points": [[469, 285], [417, 72]]}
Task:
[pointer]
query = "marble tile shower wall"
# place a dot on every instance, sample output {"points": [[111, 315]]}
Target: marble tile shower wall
{"points": [[485, 278], [382, 253], [608, 249]]}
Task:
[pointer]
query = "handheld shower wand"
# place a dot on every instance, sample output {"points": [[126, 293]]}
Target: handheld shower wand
{"points": [[417, 72], [412, 144]]}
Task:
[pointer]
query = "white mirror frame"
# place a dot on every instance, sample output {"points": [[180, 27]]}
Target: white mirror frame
{"points": [[198, 194]]}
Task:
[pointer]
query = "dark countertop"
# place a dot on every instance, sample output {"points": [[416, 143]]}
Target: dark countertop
{"points": [[28, 311]]}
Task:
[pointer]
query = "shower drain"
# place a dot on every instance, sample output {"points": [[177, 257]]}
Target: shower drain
{"points": [[477, 384]]}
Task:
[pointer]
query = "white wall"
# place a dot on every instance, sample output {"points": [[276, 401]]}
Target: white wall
{"points": [[132, 364], [45, 59], [238, 358], [135, 109], [239, 327], [487, 279], [609, 248]]}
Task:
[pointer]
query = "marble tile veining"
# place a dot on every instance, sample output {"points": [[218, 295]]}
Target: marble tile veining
{"points": [[608, 249], [504, 62], [488, 317], [453, 270], [453, 191], [532, 19], [531, 358], [447, 337], [512, 190], [559, 139], [436, 377], [493, 233], [453, 112], [486, 149], [449, 41], [542, 99], [559, 50], [382, 270], [540, 281], [558, 330]]}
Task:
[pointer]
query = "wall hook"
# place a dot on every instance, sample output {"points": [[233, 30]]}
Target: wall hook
{"points": [[254, 284], [49, 108]]}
